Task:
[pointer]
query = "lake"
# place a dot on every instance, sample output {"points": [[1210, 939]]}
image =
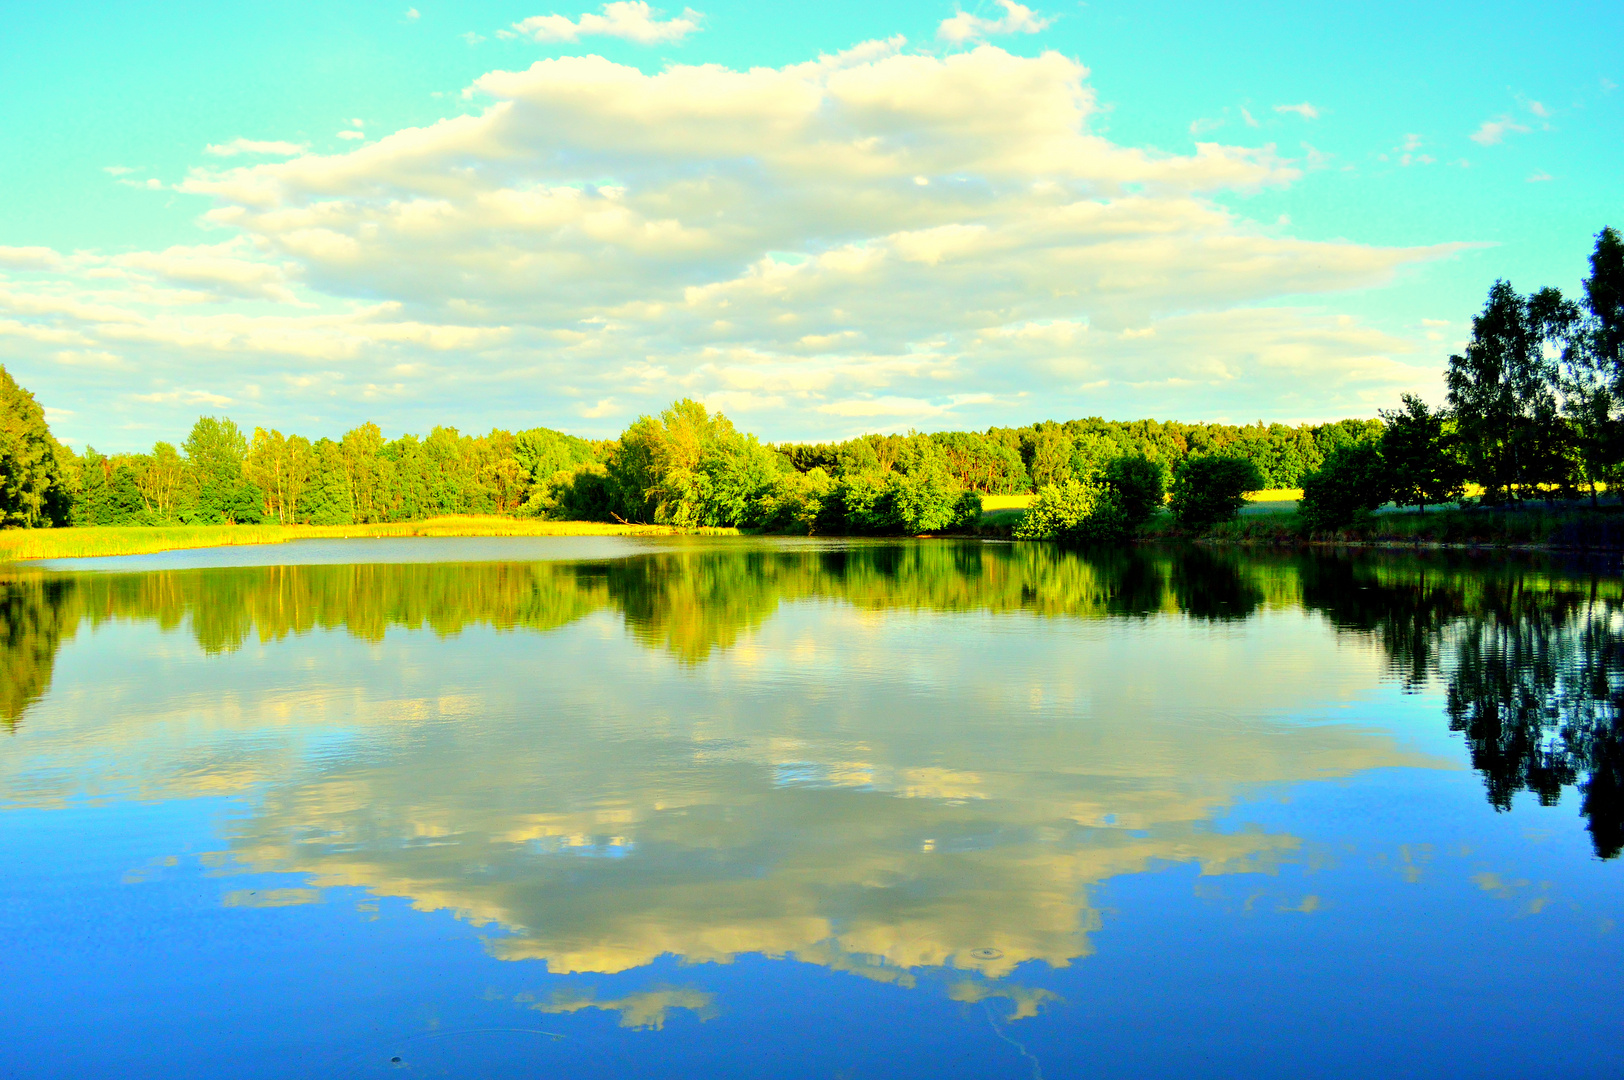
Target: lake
{"points": [[602, 807]]}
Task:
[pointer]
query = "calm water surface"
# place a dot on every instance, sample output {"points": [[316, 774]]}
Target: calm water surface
{"points": [[603, 808]]}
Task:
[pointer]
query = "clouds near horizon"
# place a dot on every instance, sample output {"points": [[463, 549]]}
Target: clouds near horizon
{"points": [[869, 239]]}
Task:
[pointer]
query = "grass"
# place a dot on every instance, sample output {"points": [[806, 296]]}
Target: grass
{"points": [[1570, 527], [100, 540]]}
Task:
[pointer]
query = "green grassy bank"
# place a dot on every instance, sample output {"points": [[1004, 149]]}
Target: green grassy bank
{"points": [[95, 541]]}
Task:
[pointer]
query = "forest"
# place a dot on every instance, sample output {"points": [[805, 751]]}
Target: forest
{"points": [[1534, 409]]}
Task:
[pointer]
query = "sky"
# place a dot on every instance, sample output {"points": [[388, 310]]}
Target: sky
{"points": [[821, 219]]}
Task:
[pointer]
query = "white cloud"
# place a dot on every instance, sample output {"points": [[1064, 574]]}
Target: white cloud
{"points": [[965, 27], [29, 258], [1408, 152], [631, 20], [1540, 177], [348, 134], [273, 147], [117, 170], [871, 237], [220, 269], [184, 397], [412, 13], [1492, 132], [1304, 110]]}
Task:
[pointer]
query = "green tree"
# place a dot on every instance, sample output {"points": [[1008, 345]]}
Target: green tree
{"points": [[1500, 390], [1212, 489], [1592, 380], [35, 481], [1350, 486], [93, 504], [326, 498], [280, 467], [367, 473], [161, 480], [1421, 468], [1137, 487], [215, 450]]}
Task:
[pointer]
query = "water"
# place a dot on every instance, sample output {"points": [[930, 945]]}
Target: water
{"points": [[809, 809]]}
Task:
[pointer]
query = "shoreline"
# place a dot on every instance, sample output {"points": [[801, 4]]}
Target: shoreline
{"points": [[108, 541], [31, 545]]}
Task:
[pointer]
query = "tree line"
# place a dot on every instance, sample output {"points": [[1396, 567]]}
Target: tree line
{"points": [[686, 466], [1534, 409]]}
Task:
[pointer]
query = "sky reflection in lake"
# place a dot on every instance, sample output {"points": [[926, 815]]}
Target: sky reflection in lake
{"points": [[812, 809]]}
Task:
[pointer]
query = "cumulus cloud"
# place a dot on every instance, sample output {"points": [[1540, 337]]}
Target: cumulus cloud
{"points": [[872, 238], [272, 147], [964, 26], [1304, 110], [631, 20]]}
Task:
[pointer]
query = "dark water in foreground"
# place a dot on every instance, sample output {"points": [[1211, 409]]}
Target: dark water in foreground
{"points": [[799, 809]]}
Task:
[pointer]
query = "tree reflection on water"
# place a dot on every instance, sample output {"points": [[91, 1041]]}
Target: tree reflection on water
{"points": [[1531, 658]]}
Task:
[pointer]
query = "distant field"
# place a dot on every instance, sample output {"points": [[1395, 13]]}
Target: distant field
{"points": [[997, 503], [94, 541]]}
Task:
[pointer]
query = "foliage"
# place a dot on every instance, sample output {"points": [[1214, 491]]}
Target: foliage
{"points": [[34, 485], [1421, 466], [1501, 391], [1071, 510], [1209, 490], [1349, 487], [1137, 486]]}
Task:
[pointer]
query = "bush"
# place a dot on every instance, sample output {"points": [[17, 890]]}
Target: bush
{"points": [[1137, 486], [1209, 490], [1351, 484], [1071, 510]]}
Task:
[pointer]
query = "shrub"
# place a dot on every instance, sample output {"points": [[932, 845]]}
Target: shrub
{"points": [[1209, 490], [1351, 484], [1136, 486], [1071, 510]]}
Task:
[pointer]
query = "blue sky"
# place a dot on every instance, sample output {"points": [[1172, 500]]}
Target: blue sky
{"points": [[1003, 216]]}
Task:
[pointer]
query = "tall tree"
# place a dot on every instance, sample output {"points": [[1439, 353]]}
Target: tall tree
{"points": [[215, 450], [280, 467], [1500, 389], [35, 487], [1592, 378], [162, 482]]}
